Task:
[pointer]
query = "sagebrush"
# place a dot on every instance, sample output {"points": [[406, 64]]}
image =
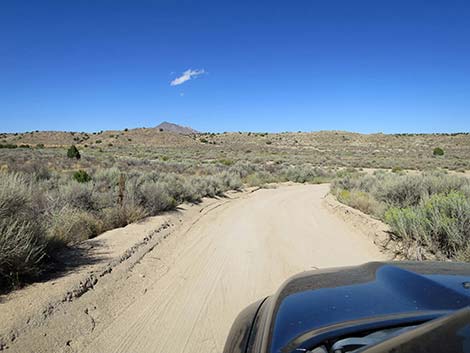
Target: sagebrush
{"points": [[428, 211]]}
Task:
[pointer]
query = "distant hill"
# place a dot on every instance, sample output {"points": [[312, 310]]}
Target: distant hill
{"points": [[331, 148], [170, 127]]}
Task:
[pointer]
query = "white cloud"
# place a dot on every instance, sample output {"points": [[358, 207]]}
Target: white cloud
{"points": [[186, 76]]}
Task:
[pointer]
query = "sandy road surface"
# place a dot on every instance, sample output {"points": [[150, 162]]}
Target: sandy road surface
{"points": [[183, 295], [235, 255]]}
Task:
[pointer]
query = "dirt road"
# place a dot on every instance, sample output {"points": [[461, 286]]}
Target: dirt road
{"points": [[187, 291]]}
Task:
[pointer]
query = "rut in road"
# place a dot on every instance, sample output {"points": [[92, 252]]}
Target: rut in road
{"points": [[234, 255]]}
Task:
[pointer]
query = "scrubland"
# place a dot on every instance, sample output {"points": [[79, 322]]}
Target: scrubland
{"points": [[49, 200], [46, 207]]}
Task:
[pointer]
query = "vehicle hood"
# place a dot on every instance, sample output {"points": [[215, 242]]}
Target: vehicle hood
{"points": [[309, 305]]}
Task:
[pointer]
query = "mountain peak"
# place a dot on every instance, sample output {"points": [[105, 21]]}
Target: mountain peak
{"points": [[170, 127]]}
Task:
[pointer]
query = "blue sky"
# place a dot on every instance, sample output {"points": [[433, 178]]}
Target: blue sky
{"points": [[366, 66]]}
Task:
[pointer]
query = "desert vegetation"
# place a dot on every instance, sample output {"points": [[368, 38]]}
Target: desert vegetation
{"points": [[324, 148], [45, 208], [427, 212], [60, 188]]}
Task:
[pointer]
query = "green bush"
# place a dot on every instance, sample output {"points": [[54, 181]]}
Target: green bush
{"points": [[409, 224], [226, 162], [81, 176], [430, 211], [8, 145], [438, 151], [73, 152], [441, 223], [362, 201], [448, 221]]}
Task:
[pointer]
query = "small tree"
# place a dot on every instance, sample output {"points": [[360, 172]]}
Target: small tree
{"points": [[81, 176], [72, 152], [438, 151]]}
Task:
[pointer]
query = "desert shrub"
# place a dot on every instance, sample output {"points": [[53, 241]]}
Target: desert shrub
{"points": [[408, 224], [41, 172], [230, 181], [306, 174], [22, 250], [449, 221], [69, 226], [430, 210], [22, 244], [154, 197], [73, 152], [347, 181], [208, 186], [8, 145], [441, 223], [179, 188], [362, 201], [242, 169], [114, 217], [397, 170], [465, 189], [226, 162], [15, 196], [106, 177], [259, 178], [81, 176], [438, 151], [440, 182], [402, 192], [78, 195]]}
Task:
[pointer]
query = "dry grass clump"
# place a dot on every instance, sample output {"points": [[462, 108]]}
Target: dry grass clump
{"points": [[22, 242], [361, 200], [70, 225], [430, 210]]}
